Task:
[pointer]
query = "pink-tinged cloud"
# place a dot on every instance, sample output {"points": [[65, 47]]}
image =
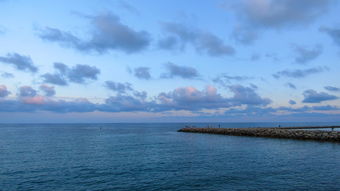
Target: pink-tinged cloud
{"points": [[39, 100]]}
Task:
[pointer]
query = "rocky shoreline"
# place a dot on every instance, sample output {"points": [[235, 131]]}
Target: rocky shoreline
{"points": [[288, 133]]}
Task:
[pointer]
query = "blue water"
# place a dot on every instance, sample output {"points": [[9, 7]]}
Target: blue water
{"points": [[156, 157]]}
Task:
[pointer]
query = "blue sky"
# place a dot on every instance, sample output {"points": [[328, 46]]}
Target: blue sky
{"points": [[169, 61]]}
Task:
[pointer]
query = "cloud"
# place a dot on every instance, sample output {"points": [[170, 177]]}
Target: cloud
{"points": [[61, 67], [20, 62], [77, 74], [189, 98], [27, 91], [305, 55], [142, 73], [244, 35], [125, 103], [3, 91], [286, 113], [256, 15], [280, 13], [213, 46], [248, 96], [48, 90], [40, 103], [332, 88], [255, 57], [334, 33], [183, 98], [140, 94], [185, 72], [299, 73], [118, 87], [290, 85], [128, 7], [179, 36], [7, 75], [292, 102], [125, 91], [108, 33], [80, 73], [169, 43], [56, 79], [311, 96], [224, 79]]}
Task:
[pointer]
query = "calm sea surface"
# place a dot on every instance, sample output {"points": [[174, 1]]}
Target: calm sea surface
{"points": [[156, 157]]}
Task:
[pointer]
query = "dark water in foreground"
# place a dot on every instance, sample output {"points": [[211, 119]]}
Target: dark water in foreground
{"points": [[156, 157]]}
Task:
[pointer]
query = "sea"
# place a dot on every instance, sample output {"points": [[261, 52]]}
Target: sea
{"points": [[155, 157]]}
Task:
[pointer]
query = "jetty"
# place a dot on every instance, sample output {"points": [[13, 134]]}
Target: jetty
{"points": [[313, 133]]}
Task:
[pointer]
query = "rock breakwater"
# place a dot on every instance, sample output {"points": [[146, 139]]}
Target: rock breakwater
{"points": [[289, 133]]}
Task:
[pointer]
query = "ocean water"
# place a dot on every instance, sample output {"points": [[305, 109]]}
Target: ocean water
{"points": [[156, 157]]}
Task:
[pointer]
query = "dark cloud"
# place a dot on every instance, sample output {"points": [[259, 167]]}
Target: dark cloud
{"points": [[118, 87], [20, 62], [248, 96], [272, 113], [62, 37], [179, 36], [48, 90], [125, 103], [325, 108], [7, 75], [292, 102], [225, 79], [290, 85], [61, 106], [27, 91], [305, 55], [77, 74], [80, 73], [334, 33], [332, 88], [213, 45], [61, 67], [142, 95], [299, 73], [280, 13], [108, 33], [3, 91], [168, 43], [39, 103], [142, 73], [126, 99], [311, 96], [56, 79], [185, 72]]}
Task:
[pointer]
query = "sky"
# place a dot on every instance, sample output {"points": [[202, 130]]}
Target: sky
{"points": [[169, 61]]}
